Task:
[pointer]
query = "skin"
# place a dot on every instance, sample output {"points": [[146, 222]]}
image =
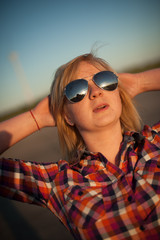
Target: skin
{"points": [[99, 127], [11, 130]]}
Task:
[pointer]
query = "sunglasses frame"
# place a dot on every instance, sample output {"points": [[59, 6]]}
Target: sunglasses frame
{"points": [[93, 79]]}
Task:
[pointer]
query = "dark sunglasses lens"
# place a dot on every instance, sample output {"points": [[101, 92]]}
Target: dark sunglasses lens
{"points": [[106, 80], [76, 90]]}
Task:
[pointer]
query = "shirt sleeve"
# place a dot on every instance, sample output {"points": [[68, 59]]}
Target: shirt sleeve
{"points": [[152, 133], [27, 181]]}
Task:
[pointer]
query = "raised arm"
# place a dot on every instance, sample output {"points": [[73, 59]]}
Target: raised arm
{"points": [[23, 125], [140, 82]]}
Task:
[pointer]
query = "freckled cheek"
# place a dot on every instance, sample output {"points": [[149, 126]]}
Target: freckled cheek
{"points": [[75, 111]]}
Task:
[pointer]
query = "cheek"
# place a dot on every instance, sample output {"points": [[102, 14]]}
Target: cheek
{"points": [[78, 113], [72, 111]]}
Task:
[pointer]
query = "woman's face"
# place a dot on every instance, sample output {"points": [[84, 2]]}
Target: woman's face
{"points": [[98, 109]]}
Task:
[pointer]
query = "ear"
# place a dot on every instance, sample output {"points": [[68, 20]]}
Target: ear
{"points": [[68, 120]]}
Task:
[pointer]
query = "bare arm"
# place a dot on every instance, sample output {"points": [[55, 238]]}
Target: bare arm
{"points": [[140, 82], [23, 125]]}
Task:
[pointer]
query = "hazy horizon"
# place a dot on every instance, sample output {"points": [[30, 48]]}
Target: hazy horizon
{"points": [[38, 36]]}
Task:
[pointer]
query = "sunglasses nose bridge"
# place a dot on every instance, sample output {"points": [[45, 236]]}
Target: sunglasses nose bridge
{"points": [[93, 89]]}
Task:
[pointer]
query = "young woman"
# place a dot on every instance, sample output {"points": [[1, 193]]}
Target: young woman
{"points": [[107, 185]]}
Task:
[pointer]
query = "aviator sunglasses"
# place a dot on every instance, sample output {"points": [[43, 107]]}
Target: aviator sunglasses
{"points": [[76, 90]]}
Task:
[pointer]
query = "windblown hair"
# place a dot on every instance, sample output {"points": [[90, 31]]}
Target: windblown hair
{"points": [[69, 136]]}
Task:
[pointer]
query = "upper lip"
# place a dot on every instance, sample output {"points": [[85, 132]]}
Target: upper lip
{"points": [[100, 105]]}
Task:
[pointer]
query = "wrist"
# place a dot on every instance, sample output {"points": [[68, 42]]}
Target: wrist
{"points": [[143, 82], [34, 118]]}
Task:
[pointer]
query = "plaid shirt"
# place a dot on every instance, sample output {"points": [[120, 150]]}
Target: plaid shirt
{"points": [[94, 198]]}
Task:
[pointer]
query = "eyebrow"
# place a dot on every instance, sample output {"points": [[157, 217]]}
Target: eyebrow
{"points": [[87, 76], [90, 75]]}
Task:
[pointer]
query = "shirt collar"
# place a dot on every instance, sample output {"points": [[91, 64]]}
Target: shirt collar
{"points": [[85, 157]]}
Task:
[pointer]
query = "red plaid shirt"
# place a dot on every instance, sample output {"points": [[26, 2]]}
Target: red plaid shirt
{"points": [[94, 198]]}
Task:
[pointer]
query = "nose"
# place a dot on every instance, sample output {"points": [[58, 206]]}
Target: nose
{"points": [[94, 90]]}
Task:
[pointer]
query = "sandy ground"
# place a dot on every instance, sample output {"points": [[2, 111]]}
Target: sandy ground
{"points": [[24, 221]]}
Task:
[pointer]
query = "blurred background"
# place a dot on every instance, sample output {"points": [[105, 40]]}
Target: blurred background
{"points": [[36, 38]]}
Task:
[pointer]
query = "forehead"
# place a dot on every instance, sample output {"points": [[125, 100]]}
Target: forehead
{"points": [[86, 69]]}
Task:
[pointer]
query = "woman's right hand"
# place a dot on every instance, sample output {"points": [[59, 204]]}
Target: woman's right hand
{"points": [[17, 128], [42, 113]]}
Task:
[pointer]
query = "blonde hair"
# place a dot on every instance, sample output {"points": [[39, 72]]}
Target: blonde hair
{"points": [[69, 137]]}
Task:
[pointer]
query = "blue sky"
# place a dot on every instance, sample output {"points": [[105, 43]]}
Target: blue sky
{"points": [[45, 34]]}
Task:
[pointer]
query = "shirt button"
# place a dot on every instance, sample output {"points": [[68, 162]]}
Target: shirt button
{"points": [[80, 193], [130, 198], [142, 228], [158, 165]]}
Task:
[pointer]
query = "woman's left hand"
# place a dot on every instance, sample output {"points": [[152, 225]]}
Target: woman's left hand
{"points": [[130, 82], [141, 82]]}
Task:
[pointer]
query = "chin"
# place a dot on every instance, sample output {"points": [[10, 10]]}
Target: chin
{"points": [[108, 123]]}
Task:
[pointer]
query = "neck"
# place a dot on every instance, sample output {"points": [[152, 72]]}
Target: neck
{"points": [[106, 141]]}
